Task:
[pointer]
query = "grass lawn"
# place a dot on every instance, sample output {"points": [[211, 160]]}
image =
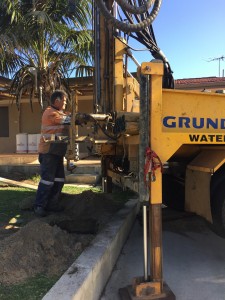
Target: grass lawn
{"points": [[12, 215], [32, 289], [10, 199]]}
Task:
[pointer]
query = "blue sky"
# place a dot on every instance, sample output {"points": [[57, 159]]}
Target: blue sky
{"points": [[190, 33]]}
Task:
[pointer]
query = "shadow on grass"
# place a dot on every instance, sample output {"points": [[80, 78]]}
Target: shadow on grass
{"points": [[32, 289]]}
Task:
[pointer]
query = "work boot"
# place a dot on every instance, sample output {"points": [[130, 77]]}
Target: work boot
{"points": [[40, 211]]}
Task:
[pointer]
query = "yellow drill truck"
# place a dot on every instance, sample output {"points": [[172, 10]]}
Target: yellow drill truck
{"points": [[172, 147], [167, 145], [185, 129]]}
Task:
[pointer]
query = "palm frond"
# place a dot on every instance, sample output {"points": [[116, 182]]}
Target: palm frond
{"points": [[84, 71], [42, 42]]}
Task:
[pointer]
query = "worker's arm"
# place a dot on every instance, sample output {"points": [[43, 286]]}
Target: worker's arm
{"points": [[81, 118], [66, 120]]}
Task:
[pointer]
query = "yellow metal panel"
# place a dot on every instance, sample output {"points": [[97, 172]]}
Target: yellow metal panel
{"points": [[184, 117], [148, 68], [194, 113], [197, 193], [118, 75], [208, 161], [155, 131]]}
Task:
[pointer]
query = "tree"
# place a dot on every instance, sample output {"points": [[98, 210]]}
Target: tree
{"points": [[51, 39], [9, 61]]}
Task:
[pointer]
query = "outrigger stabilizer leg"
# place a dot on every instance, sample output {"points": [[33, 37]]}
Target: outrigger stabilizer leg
{"points": [[151, 286]]}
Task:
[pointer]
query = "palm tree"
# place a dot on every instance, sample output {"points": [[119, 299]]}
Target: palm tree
{"points": [[9, 61], [51, 40]]}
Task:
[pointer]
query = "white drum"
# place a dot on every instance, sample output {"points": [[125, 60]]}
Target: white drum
{"points": [[38, 138], [32, 143], [21, 143]]}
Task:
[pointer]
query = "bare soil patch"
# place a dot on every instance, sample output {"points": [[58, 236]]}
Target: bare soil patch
{"points": [[49, 245]]}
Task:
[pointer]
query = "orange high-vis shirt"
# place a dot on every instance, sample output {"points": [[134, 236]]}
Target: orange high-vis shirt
{"points": [[54, 131]]}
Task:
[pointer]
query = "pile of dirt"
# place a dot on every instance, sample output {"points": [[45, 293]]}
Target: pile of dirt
{"points": [[37, 248], [49, 245], [89, 207]]}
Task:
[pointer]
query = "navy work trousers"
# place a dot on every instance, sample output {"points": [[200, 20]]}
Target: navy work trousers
{"points": [[52, 179]]}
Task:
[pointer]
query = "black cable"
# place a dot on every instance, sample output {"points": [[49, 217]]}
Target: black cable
{"points": [[147, 38], [129, 27], [115, 137]]}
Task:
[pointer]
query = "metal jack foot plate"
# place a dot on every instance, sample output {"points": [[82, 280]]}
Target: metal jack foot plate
{"points": [[127, 293]]}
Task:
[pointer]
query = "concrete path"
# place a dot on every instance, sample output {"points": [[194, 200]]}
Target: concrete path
{"points": [[17, 183], [193, 260]]}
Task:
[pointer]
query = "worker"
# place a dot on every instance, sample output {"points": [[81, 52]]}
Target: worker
{"points": [[52, 149]]}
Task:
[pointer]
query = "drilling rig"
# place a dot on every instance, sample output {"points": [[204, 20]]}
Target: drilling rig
{"points": [[165, 144]]}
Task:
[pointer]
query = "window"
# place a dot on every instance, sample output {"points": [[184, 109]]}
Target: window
{"points": [[4, 122]]}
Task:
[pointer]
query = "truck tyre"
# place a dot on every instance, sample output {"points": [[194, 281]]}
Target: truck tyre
{"points": [[173, 192], [218, 210]]}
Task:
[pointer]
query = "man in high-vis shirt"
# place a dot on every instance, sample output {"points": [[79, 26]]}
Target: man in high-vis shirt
{"points": [[52, 149]]}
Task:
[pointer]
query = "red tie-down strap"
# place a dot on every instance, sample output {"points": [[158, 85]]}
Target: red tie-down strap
{"points": [[152, 163]]}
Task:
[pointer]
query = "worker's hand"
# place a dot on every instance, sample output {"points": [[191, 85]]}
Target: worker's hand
{"points": [[82, 118]]}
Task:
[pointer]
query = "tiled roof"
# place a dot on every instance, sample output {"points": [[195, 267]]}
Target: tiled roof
{"points": [[202, 80]]}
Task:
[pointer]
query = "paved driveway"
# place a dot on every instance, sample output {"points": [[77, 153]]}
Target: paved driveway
{"points": [[193, 259]]}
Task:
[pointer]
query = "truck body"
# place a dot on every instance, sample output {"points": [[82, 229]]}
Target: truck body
{"points": [[187, 134]]}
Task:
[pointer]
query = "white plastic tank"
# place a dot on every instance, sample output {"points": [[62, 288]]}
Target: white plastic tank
{"points": [[32, 143], [38, 140], [21, 143]]}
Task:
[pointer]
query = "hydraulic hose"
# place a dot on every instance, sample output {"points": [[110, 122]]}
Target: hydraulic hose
{"points": [[133, 9], [130, 27]]}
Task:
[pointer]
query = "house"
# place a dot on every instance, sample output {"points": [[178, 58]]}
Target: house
{"points": [[212, 84], [16, 125]]}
